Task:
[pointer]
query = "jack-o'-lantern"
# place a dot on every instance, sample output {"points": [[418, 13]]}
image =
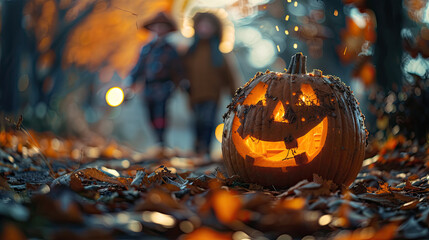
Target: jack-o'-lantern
{"points": [[284, 127]]}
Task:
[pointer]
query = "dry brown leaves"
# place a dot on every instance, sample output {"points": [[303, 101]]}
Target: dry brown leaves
{"points": [[106, 199]]}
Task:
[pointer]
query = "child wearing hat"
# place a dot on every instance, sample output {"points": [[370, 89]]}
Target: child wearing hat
{"points": [[159, 68]]}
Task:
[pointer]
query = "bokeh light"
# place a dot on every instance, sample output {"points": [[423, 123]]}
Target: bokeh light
{"points": [[219, 131], [114, 96], [228, 33], [262, 54]]}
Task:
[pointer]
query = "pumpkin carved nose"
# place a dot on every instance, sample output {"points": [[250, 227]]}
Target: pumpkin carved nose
{"points": [[279, 113]]}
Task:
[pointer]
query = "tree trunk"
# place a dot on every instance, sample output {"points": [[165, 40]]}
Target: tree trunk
{"points": [[388, 46], [11, 36]]}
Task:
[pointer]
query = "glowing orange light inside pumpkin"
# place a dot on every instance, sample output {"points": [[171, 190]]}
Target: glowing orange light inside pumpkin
{"points": [[279, 113], [257, 95], [114, 96], [308, 96], [275, 153]]}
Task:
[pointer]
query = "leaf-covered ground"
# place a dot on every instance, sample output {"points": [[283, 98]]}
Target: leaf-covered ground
{"points": [[104, 191]]}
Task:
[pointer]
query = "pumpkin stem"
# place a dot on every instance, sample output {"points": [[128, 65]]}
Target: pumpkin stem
{"points": [[298, 64]]}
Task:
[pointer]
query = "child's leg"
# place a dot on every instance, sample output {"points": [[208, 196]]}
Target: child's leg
{"points": [[205, 114], [157, 114]]}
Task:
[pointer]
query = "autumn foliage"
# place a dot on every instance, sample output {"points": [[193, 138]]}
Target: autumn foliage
{"points": [[107, 37], [140, 198]]}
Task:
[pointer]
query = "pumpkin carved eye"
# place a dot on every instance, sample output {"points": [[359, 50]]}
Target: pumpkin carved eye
{"points": [[257, 95], [308, 97], [282, 124]]}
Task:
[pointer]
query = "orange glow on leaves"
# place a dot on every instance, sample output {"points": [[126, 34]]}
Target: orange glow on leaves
{"points": [[415, 9], [293, 204], [41, 20], [11, 232], [354, 37], [344, 210], [367, 74], [384, 188], [207, 233], [226, 206], [385, 233]]}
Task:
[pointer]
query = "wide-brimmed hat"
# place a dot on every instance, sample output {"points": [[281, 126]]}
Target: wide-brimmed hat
{"points": [[161, 17]]}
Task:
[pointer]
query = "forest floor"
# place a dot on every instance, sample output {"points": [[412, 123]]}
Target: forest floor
{"points": [[52, 188]]}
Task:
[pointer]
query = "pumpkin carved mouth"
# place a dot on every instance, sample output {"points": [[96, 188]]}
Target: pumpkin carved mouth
{"points": [[301, 141], [278, 153]]}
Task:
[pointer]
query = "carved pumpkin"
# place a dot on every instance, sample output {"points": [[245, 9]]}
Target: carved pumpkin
{"points": [[284, 127]]}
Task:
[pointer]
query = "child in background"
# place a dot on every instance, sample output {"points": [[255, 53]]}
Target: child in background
{"points": [[159, 68], [208, 73]]}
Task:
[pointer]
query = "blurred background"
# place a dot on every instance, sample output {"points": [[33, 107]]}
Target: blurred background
{"points": [[59, 58]]}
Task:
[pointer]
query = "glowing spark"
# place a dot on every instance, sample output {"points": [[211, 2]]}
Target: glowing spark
{"points": [[277, 28], [287, 18], [295, 4], [336, 12], [325, 220], [123, 217], [125, 163], [135, 226], [218, 132], [186, 226], [289, 1], [286, 32], [114, 96], [226, 46], [188, 32], [296, 28], [345, 50], [163, 219], [295, 45], [278, 48]]}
